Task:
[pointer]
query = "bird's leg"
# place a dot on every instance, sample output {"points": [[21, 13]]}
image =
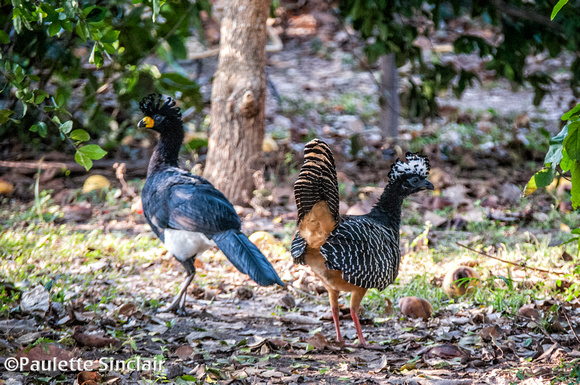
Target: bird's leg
{"points": [[355, 301], [361, 339], [178, 304], [333, 297]]}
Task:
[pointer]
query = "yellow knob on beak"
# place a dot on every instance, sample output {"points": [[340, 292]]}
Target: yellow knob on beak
{"points": [[146, 122]]}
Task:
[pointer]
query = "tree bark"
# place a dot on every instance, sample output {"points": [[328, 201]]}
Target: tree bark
{"points": [[238, 100], [389, 98]]}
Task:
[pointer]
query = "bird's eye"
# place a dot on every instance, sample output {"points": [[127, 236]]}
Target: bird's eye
{"points": [[414, 179]]}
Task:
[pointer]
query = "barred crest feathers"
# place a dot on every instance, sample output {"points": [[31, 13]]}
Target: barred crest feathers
{"points": [[153, 104], [416, 164], [317, 180]]}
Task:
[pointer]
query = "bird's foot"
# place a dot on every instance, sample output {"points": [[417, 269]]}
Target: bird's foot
{"points": [[175, 309]]}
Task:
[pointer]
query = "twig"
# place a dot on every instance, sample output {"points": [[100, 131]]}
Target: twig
{"points": [[71, 166], [538, 324], [302, 292], [570, 324], [521, 264]]}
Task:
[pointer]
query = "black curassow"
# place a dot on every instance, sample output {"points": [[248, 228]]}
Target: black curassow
{"points": [[187, 212], [351, 253]]}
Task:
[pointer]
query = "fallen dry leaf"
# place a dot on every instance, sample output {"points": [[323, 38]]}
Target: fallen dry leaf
{"points": [[35, 301], [446, 352], [318, 340], [88, 378], [381, 365], [287, 302], [77, 213], [490, 332], [184, 352], [299, 319], [529, 311], [128, 309], [45, 352], [93, 340]]}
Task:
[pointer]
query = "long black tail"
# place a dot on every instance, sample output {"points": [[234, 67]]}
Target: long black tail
{"points": [[246, 257], [317, 180]]}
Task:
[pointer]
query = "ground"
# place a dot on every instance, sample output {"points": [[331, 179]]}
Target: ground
{"points": [[83, 276]]}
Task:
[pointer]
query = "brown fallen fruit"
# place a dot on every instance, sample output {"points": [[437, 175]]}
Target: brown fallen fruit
{"points": [[416, 307], [460, 280]]}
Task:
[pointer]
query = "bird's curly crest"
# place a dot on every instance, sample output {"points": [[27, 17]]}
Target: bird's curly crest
{"points": [[416, 164], [153, 104]]}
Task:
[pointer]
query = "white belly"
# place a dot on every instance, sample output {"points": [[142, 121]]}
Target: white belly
{"points": [[184, 244]]}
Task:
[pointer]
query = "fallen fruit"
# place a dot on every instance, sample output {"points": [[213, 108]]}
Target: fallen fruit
{"points": [[460, 280], [415, 307], [95, 182]]}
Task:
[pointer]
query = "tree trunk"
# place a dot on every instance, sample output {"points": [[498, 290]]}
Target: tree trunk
{"points": [[238, 100], [389, 98]]}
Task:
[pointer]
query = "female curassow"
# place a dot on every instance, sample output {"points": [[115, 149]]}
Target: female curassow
{"points": [[351, 253], [187, 212]]}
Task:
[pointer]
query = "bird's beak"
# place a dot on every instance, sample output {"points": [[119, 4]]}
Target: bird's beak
{"points": [[146, 122], [428, 185]]}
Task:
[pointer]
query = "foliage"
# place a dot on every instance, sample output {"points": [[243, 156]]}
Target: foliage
{"points": [[520, 28], [564, 152], [71, 68]]}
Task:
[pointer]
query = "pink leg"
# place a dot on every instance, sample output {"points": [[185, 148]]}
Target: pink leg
{"points": [[335, 317], [361, 339], [333, 297]]}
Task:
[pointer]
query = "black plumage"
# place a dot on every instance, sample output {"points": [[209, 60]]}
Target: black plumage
{"points": [[186, 211], [351, 253]]}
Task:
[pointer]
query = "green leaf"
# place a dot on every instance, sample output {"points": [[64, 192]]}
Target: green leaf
{"points": [[540, 179], [174, 81], [92, 151], [53, 28], [40, 95], [66, 127], [18, 74], [83, 160], [94, 14], [572, 141], [110, 37], [557, 8], [4, 115], [573, 111], [177, 47], [41, 128], [80, 134], [4, 38], [575, 170], [554, 155], [82, 30], [155, 9]]}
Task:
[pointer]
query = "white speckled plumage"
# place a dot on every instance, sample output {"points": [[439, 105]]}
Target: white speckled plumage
{"points": [[416, 164]]}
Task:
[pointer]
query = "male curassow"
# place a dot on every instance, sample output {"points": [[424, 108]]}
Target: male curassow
{"points": [[187, 212], [351, 252]]}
